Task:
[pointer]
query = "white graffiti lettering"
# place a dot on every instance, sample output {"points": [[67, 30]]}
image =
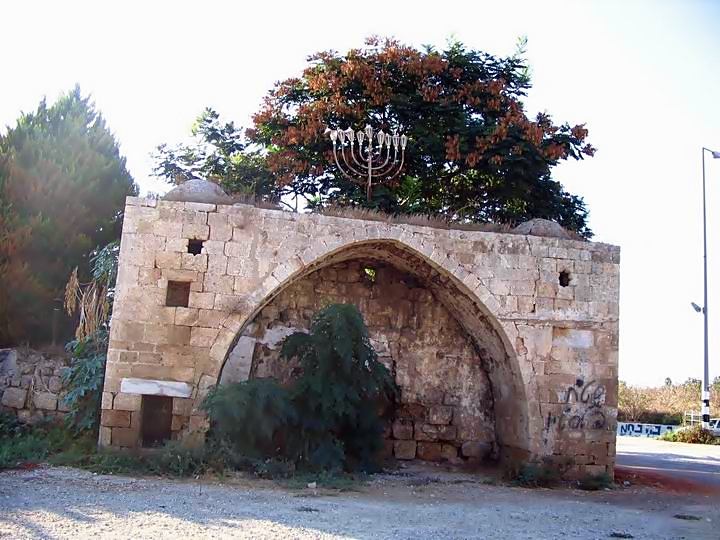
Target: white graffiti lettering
{"points": [[642, 430]]}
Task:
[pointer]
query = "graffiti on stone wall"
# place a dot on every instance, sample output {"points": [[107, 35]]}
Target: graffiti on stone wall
{"points": [[584, 407], [642, 430]]}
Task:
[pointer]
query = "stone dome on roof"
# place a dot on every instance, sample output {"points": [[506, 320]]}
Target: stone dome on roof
{"points": [[198, 190], [542, 227]]}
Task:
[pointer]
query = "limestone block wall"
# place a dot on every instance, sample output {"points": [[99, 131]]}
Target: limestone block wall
{"points": [[542, 314], [31, 385]]}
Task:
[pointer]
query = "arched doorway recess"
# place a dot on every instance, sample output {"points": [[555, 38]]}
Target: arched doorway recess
{"points": [[462, 390]]}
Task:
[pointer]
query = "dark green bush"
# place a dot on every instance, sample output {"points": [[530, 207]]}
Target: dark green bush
{"points": [[251, 414], [84, 381], [272, 468], [594, 482], [21, 444], [339, 393], [222, 454], [328, 419], [547, 471], [173, 459], [10, 426], [694, 435], [655, 417]]}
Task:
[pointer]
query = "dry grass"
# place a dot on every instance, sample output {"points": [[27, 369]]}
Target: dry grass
{"points": [[422, 220], [91, 300], [663, 404], [418, 220]]}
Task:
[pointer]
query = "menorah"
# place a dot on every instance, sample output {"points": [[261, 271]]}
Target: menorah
{"points": [[368, 164]]}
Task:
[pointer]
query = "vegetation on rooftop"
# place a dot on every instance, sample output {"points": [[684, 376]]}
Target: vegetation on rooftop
{"points": [[474, 155]]}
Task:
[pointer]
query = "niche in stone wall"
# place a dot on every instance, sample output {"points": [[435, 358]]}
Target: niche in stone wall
{"points": [[156, 424], [178, 294], [446, 409]]}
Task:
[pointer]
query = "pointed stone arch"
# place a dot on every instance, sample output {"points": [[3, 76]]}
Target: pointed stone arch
{"points": [[463, 294]]}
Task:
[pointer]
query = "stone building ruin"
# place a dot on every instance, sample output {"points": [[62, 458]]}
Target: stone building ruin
{"points": [[503, 345]]}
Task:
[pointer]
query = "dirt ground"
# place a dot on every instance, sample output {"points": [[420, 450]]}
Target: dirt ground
{"points": [[416, 502]]}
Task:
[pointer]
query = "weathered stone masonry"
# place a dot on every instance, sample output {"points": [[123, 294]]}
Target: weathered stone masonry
{"points": [[31, 384], [529, 363], [446, 399]]}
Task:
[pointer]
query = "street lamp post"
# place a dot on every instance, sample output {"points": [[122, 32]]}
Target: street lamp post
{"points": [[705, 390]]}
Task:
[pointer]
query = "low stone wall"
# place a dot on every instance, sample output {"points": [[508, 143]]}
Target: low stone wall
{"points": [[31, 384]]}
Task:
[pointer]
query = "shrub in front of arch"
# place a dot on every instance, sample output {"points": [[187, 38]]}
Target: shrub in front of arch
{"points": [[340, 392], [248, 418], [330, 417]]}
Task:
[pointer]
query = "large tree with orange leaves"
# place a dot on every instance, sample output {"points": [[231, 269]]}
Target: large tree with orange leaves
{"points": [[63, 185], [474, 155]]}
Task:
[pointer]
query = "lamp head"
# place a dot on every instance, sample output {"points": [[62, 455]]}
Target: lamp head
{"points": [[696, 307], [715, 155]]}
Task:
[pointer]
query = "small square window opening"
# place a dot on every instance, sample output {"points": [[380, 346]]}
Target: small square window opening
{"points": [[195, 246], [178, 294]]}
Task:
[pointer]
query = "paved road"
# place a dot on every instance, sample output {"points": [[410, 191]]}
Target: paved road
{"points": [[699, 462]]}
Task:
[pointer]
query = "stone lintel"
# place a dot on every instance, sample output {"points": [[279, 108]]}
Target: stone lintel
{"points": [[150, 387]]}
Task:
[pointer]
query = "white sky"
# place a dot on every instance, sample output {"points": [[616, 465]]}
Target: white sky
{"points": [[643, 75]]}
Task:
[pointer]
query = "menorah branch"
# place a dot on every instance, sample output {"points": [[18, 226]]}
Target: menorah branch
{"points": [[368, 164]]}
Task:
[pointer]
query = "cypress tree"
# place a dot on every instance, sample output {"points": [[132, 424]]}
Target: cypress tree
{"points": [[63, 185]]}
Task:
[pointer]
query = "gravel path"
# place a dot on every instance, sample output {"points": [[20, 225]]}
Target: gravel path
{"points": [[67, 503]]}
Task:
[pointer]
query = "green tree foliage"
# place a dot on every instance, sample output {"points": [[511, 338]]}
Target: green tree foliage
{"points": [[218, 152], [84, 381], [251, 414], [340, 391], [63, 185], [474, 155], [85, 376], [329, 418]]}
